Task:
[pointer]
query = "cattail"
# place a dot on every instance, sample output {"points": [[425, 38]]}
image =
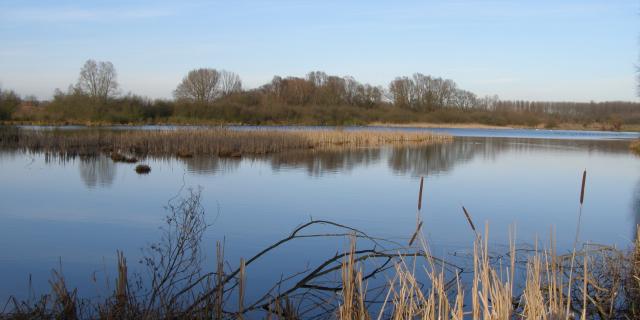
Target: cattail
{"points": [[420, 194], [219, 280], [241, 288], [584, 180], [121, 283], [415, 234], [473, 227]]}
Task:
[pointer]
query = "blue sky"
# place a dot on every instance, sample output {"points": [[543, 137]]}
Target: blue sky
{"points": [[538, 50]]}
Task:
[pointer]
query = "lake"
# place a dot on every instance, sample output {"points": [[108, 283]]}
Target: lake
{"points": [[75, 213]]}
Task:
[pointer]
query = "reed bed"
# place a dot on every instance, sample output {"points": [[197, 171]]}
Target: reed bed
{"points": [[189, 142], [606, 288]]}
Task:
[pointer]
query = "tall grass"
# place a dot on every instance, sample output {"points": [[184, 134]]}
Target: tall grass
{"points": [[492, 294]]}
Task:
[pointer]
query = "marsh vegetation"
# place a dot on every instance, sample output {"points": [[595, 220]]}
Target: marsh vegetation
{"points": [[125, 145]]}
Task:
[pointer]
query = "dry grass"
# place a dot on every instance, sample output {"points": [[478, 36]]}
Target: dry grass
{"points": [[635, 146], [190, 142], [353, 292], [545, 292]]}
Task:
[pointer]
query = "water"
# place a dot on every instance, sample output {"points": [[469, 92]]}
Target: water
{"points": [[78, 212], [458, 132]]}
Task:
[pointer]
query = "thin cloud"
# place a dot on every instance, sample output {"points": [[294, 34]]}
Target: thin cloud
{"points": [[62, 15]]}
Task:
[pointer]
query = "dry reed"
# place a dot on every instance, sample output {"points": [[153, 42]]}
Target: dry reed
{"points": [[189, 142], [543, 296]]}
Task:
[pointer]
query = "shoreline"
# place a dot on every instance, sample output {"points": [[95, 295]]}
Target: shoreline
{"points": [[428, 125], [425, 125]]}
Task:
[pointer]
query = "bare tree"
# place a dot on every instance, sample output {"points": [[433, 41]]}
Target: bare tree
{"points": [[98, 80], [200, 85], [229, 83], [402, 91], [426, 93], [318, 78]]}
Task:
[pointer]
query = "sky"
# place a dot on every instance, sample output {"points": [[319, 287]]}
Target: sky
{"points": [[548, 50]]}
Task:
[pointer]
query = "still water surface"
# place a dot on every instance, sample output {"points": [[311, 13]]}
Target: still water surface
{"points": [[80, 211]]}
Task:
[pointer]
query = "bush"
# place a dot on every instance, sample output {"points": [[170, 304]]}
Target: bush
{"points": [[9, 103]]}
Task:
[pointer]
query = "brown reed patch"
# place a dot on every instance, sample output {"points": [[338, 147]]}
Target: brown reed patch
{"points": [[190, 142]]}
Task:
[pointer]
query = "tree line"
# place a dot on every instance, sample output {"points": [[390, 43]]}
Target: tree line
{"points": [[318, 98]]}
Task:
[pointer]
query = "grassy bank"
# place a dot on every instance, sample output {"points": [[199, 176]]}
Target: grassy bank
{"points": [[402, 123], [191, 142], [558, 126]]}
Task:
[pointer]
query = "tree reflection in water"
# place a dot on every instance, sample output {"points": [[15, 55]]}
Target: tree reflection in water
{"points": [[210, 165], [427, 160], [635, 211], [411, 160], [98, 171], [320, 162]]}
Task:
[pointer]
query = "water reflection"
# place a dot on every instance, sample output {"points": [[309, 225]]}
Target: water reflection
{"points": [[635, 211], [97, 171], [441, 158], [318, 163], [210, 165], [437, 159], [428, 160], [417, 160]]}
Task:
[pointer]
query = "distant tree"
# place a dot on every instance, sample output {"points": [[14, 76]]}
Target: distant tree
{"points": [[229, 83], [98, 80], [200, 85], [317, 78], [9, 103], [333, 92], [431, 93], [31, 100], [370, 96], [426, 93], [294, 91], [464, 99], [320, 89], [362, 95], [402, 92]]}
